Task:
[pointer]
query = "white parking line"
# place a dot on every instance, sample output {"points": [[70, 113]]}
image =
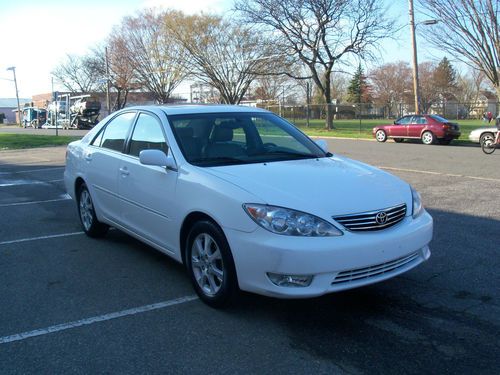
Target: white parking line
{"points": [[41, 238], [28, 182], [439, 173], [33, 170], [95, 319], [33, 202]]}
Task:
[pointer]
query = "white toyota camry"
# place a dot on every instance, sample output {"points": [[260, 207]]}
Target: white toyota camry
{"points": [[245, 201]]}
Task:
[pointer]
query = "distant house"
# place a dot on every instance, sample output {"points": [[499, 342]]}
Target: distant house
{"points": [[8, 107], [448, 106], [486, 102]]}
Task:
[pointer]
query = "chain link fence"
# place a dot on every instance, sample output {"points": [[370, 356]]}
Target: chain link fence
{"points": [[363, 116]]}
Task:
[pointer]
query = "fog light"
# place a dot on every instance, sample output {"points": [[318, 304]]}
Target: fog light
{"points": [[290, 280]]}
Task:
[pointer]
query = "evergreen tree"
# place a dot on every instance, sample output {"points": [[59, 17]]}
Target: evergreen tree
{"points": [[359, 91], [445, 77]]}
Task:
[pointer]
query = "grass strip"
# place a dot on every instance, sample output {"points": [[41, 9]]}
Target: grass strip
{"points": [[20, 141]]}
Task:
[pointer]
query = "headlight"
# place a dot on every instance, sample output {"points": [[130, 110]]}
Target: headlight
{"points": [[288, 222], [418, 208]]}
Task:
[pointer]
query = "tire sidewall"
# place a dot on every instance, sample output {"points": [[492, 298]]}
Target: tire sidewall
{"points": [[433, 138], [229, 287], [97, 229], [486, 136], [380, 132]]}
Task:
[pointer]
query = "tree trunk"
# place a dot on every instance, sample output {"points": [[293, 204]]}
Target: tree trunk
{"points": [[497, 88], [328, 101]]}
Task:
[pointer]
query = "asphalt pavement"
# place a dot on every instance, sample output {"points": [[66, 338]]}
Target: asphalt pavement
{"points": [[72, 304]]}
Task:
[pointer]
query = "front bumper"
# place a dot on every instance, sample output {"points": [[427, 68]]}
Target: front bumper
{"points": [[336, 263]]}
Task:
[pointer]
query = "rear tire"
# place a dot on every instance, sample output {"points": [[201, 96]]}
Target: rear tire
{"points": [[486, 136], [428, 138], [398, 140], [381, 136], [210, 264], [86, 212]]}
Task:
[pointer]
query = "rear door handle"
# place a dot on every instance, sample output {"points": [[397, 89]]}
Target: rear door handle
{"points": [[88, 157], [124, 171]]}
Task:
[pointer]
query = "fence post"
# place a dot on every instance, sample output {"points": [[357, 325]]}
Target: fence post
{"points": [[359, 115], [307, 114]]}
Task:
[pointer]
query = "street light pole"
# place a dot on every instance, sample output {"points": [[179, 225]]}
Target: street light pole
{"points": [[108, 101], [416, 90], [13, 68]]}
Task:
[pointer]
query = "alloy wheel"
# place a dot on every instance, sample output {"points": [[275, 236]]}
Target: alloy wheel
{"points": [[207, 264], [86, 209]]}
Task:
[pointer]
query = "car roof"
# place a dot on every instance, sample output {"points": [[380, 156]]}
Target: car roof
{"points": [[199, 108]]}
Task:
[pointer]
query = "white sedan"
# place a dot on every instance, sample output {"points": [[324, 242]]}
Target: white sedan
{"points": [[482, 134], [246, 201]]}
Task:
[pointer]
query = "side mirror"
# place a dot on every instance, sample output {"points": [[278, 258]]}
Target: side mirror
{"points": [[157, 158], [322, 144], [395, 122]]}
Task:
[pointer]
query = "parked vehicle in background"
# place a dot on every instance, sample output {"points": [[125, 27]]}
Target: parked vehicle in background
{"points": [[483, 134], [59, 106], [85, 112], [429, 128], [245, 201], [34, 117]]}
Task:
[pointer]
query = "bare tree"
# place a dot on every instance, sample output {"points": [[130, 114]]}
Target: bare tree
{"points": [[391, 82], [429, 92], [152, 51], [121, 74], [392, 86], [469, 86], [78, 73], [320, 33], [271, 87], [222, 54], [468, 30]]}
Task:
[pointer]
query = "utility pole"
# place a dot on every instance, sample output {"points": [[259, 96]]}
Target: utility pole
{"points": [[108, 101], [13, 68], [416, 90]]}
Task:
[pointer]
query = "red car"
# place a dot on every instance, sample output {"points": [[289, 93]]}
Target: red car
{"points": [[428, 128]]}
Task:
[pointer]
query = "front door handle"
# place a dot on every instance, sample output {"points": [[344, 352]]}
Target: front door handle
{"points": [[124, 171]]}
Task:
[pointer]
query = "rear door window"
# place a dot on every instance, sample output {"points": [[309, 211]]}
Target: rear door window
{"points": [[115, 133]]}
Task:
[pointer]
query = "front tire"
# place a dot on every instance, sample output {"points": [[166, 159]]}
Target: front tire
{"points": [[86, 212], [210, 264], [444, 142], [381, 136], [398, 140], [488, 146], [428, 138]]}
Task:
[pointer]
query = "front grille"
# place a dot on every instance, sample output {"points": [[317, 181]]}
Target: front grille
{"points": [[373, 271], [374, 220]]}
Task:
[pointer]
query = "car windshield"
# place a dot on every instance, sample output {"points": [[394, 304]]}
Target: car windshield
{"points": [[439, 118], [219, 139]]}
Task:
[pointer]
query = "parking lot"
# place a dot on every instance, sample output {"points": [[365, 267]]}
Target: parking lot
{"points": [[72, 304]]}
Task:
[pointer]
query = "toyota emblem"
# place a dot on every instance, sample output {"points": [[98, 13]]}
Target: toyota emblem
{"points": [[381, 218]]}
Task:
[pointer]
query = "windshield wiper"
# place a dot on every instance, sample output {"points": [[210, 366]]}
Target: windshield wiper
{"points": [[220, 160], [298, 155]]}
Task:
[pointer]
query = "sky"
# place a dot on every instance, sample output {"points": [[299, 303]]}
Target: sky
{"points": [[35, 36]]}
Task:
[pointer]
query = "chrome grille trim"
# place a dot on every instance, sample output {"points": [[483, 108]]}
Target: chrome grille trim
{"points": [[374, 271], [366, 221]]}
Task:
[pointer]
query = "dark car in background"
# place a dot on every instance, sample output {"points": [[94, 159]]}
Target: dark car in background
{"points": [[429, 128]]}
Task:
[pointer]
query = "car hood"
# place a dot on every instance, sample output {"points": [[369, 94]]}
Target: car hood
{"points": [[324, 187]]}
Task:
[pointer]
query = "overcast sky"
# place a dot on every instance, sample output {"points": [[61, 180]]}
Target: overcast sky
{"points": [[36, 35]]}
